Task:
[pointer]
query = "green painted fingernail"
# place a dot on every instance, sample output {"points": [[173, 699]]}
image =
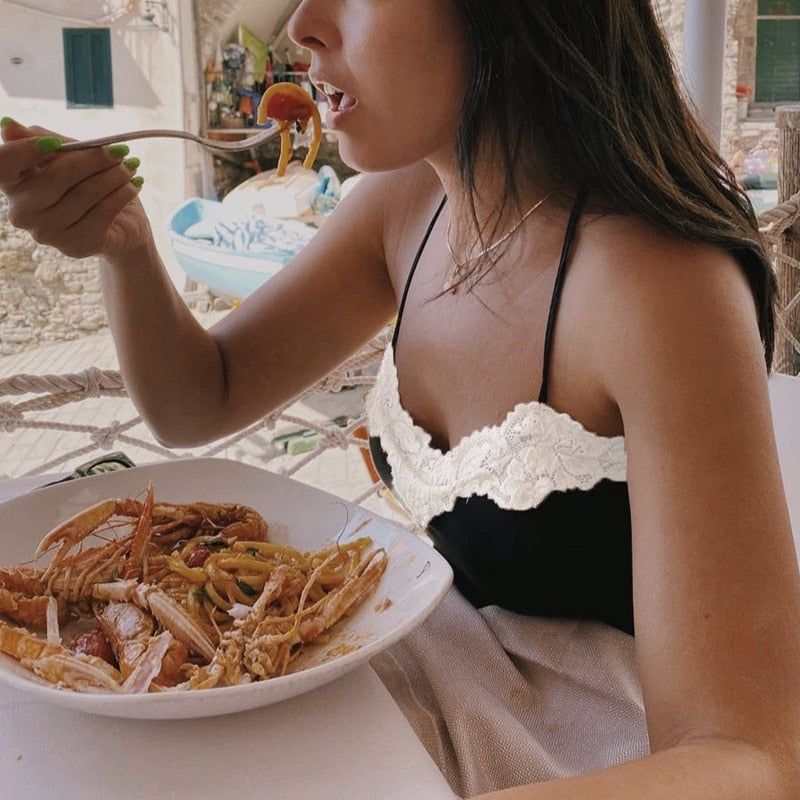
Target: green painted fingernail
{"points": [[7, 121], [132, 163], [119, 150], [48, 144], [137, 181]]}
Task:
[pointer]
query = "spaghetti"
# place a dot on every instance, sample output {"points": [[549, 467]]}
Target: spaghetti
{"points": [[288, 103]]}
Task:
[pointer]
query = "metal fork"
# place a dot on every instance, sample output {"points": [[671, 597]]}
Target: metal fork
{"points": [[161, 133]]}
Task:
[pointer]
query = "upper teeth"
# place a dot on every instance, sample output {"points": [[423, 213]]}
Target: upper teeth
{"points": [[329, 89]]}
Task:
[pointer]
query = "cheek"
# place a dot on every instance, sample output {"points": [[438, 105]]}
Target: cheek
{"points": [[401, 127], [426, 97], [412, 97]]}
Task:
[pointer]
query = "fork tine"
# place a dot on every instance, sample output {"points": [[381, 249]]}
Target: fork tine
{"points": [[241, 144]]}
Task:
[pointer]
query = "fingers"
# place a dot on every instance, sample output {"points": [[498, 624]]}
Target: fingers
{"points": [[50, 213], [116, 223], [84, 220], [12, 130], [71, 174]]}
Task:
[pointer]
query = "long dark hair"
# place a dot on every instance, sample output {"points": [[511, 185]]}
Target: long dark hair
{"points": [[585, 96]]}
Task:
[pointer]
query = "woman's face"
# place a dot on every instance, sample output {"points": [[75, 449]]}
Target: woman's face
{"points": [[395, 72]]}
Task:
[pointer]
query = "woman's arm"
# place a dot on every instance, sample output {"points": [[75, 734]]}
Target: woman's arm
{"points": [[715, 570], [193, 385]]}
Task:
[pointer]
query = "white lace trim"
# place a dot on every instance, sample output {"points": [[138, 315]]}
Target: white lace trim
{"points": [[517, 464]]}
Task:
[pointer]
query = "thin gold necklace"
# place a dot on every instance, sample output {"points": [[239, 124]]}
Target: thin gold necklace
{"points": [[456, 274]]}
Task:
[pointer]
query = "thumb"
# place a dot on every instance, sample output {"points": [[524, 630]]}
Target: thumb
{"points": [[22, 152], [12, 130]]}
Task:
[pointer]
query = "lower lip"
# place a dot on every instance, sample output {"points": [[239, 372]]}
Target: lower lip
{"points": [[335, 119]]}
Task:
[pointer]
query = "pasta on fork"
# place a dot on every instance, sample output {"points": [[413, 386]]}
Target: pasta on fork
{"points": [[288, 103]]}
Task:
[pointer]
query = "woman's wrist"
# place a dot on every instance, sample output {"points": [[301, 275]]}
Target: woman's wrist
{"points": [[133, 256]]}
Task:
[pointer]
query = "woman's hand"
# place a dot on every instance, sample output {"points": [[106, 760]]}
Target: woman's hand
{"points": [[83, 203]]}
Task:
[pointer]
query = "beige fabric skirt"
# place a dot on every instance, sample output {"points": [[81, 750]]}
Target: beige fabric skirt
{"points": [[500, 699]]}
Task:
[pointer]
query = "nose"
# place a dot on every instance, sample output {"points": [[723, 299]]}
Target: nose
{"points": [[307, 25]]}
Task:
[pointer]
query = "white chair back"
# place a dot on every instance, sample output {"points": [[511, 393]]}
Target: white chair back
{"points": [[785, 397]]}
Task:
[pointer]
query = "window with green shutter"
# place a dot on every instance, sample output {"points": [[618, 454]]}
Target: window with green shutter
{"points": [[778, 51], [87, 67]]}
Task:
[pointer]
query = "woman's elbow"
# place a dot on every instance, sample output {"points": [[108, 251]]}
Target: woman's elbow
{"points": [[176, 431]]}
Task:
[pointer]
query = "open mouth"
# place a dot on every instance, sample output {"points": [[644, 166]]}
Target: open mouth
{"points": [[337, 99]]}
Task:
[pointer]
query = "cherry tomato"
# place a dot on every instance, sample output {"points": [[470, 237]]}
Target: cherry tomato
{"points": [[284, 107], [198, 557], [92, 642]]}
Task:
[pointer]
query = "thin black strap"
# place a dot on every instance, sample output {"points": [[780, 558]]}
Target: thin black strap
{"points": [[413, 269], [569, 237]]}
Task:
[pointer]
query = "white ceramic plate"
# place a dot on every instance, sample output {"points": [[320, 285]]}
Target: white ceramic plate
{"points": [[416, 576]]}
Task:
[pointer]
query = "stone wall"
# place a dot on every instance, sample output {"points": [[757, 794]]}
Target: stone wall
{"points": [[44, 296]]}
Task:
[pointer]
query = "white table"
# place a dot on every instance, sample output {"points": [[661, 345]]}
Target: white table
{"points": [[347, 739]]}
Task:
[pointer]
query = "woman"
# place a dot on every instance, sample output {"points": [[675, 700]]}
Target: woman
{"points": [[575, 400]]}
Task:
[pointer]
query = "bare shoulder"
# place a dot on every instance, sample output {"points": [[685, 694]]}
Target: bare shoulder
{"points": [[358, 238], [634, 256], [407, 193], [669, 305]]}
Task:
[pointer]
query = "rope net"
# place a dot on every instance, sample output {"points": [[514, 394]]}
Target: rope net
{"points": [[290, 440], [781, 229], [88, 414]]}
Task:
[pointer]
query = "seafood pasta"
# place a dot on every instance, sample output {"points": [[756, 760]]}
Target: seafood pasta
{"points": [[289, 103], [186, 596]]}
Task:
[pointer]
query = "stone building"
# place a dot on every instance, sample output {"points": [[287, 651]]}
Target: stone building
{"points": [[158, 82]]}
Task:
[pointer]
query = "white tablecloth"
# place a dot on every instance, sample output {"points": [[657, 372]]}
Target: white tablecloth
{"points": [[344, 740], [347, 739]]}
